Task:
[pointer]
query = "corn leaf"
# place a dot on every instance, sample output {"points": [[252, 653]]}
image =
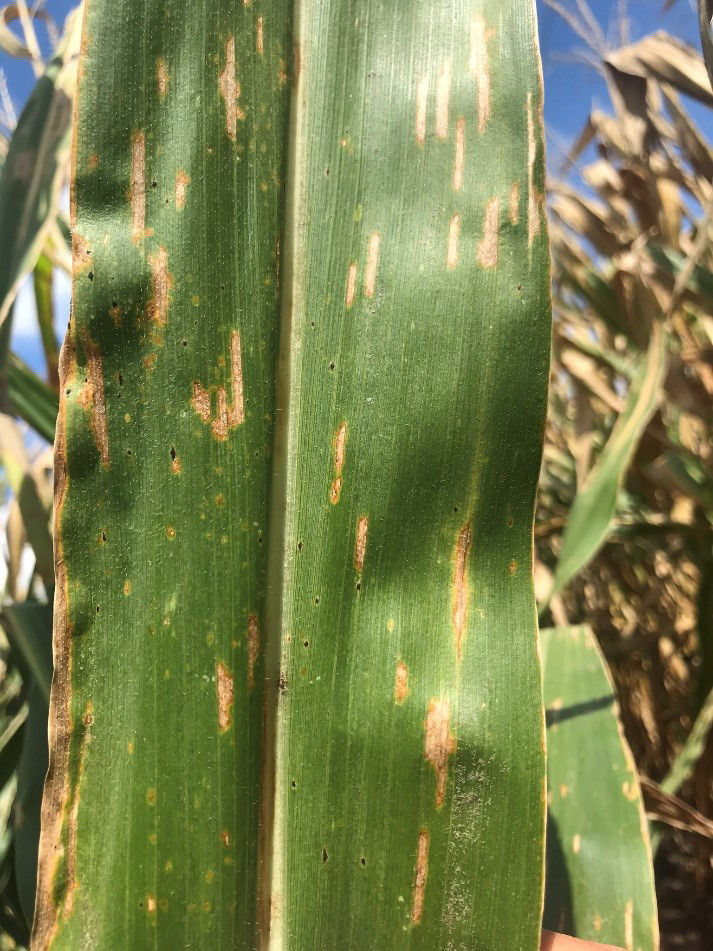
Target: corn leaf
{"points": [[35, 168], [591, 514], [30, 397], [599, 870], [314, 693]]}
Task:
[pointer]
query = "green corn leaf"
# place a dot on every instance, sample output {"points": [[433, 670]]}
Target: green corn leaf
{"points": [[599, 870], [30, 397], [591, 514], [35, 168], [29, 626], [297, 692]]}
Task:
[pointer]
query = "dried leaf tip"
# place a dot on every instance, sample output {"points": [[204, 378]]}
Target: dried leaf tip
{"points": [[480, 67], [488, 245], [137, 187], [224, 696], [460, 587], [230, 91], [340, 443], [420, 876]]}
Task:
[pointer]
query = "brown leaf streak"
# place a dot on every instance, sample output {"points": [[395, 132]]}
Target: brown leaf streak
{"points": [[453, 239], [91, 398], [71, 854], [137, 187], [161, 284], [230, 91], [56, 792], [362, 532], [350, 291], [459, 158], [372, 264], [200, 401], [253, 648], [182, 182], [460, 587], [480, 67], [161, 77], [230, 415], [534, 196], [443, 94], [259, 37], [224, 695], [420, 876], [401, 687], [488, 245], [340, 443], [421, 109], [81, 253], [439, 744], [515, 203]]}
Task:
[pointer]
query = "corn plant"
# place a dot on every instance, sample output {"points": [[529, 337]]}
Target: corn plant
{"points": [[297, 691]]}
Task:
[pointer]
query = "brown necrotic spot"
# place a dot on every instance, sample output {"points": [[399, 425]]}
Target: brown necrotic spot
{"points": [[480, 67], [401, 687], [340, 444], [253, 637], [137, 187], [439, 744], [488, 245], [230, 91], [362, 532], [372, 264], [259, 37], [91, 398], [181, 188], [230, 414], [224, 695], [200, 401], [161, 285], [453, 240], [420, 876], [460, 593]]}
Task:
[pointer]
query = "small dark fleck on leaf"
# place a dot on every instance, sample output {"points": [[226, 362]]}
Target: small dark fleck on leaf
{"points": [[325, 857]]}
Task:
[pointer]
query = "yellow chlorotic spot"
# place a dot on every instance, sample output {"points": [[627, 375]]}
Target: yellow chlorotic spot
{"points": [[170, 532], [130, 747], [169, 865], [127, 588], [151, 797], [390, 625], [209, 876], [195, 300], [127, 417], [150, 904], [153, 838]]}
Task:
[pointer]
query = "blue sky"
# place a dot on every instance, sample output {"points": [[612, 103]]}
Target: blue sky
{"points": [[571, 90]]}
